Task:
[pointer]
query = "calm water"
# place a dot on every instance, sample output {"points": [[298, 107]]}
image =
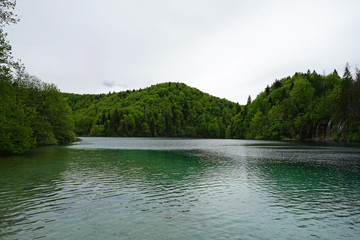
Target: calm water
{"points": [[133, 188]]}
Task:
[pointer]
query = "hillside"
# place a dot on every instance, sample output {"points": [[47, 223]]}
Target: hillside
{"points": [[306, 106], [164, 110]]}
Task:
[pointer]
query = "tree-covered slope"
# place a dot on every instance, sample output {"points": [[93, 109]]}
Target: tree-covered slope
{"points": [[32, 113], [166, 109], [306, 106]]}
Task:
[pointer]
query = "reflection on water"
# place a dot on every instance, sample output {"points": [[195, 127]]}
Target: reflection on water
{"points": [[111, 188]]}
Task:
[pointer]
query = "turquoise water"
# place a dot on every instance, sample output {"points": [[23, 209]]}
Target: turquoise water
{"points": [[139, 188]]}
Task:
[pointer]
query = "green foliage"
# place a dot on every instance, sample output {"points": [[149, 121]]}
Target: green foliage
{"points": [[32, 113], [297, 107], [301, 95], [16, 135], [163, 110], [6, 12]]}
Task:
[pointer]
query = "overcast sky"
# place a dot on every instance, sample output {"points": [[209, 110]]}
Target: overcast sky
{"points": [[228, 48]]}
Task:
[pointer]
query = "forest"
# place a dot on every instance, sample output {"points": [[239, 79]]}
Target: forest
{"points": [[162, 110], [307, 107], [32, 113]]}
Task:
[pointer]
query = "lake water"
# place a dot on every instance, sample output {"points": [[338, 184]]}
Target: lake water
{"points": [[144, 188]]}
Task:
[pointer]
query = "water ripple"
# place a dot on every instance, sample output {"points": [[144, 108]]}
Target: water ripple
{"points": [[215, 190]]}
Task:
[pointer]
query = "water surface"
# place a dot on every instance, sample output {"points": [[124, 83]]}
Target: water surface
{"points": [[144, 188]]}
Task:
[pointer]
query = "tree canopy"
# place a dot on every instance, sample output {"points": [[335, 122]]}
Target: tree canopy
{"points": [[166, 109], [32, 113], [306, 106]]}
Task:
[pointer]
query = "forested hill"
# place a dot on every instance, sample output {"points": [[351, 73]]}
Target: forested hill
{"points": [[306, 106], [164, 110]]}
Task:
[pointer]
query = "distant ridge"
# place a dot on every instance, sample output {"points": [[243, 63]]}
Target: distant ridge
{"points": [[306, 106], [162, 110]]}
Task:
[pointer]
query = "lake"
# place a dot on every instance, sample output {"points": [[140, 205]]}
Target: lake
{"points": [[161, 188]]}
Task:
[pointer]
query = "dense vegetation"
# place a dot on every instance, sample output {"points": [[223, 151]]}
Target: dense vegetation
{"points": [[32, 113], [306, 106], [167, 109]]}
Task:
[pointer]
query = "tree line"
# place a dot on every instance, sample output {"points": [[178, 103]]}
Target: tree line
{"points": [[32, 113], [306, 106], [162, 110]]}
